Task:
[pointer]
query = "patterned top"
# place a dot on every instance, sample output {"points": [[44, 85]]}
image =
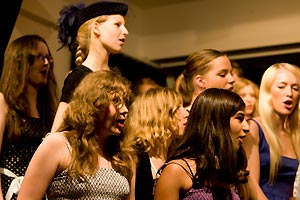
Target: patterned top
{"points": [[106, 184], [282, 188], [16, 155], [204, 193]]}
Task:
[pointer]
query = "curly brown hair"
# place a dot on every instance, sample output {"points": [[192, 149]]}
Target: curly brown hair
{"points": [[93, 95]]}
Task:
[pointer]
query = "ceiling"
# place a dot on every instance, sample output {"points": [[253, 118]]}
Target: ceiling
{"points": [[145, 4]]}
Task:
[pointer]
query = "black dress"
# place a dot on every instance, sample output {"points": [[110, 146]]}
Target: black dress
{"points": [[144, 180], [16, 154], [72, 81]]}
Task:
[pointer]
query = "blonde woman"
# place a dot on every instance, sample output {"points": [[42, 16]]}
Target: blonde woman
{"points": [[249, 92], [155, 119], [92, 33], [272, 145], [208, 68]]}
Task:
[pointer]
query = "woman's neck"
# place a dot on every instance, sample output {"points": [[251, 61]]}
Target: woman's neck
{"points": [[97, 58], [281, 122], [96, 62], [31, 96]]}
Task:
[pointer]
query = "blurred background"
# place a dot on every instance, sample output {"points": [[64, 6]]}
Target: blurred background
{"points": [[162, 33]]}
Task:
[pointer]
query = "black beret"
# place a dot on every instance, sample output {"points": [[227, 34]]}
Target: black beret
{"points": [[101, 8]]}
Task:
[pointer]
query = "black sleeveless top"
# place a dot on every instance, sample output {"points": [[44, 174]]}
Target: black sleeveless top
{"points": [[72, 81], [16, 154]]}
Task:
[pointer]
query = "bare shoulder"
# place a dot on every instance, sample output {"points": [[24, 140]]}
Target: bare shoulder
{"points": [[55, 146], [55, 137], [254, 125], [3, 104], [179, 171], [253, 135], [1, 96], [54, 142]]}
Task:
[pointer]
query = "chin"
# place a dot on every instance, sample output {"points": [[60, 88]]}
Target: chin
{"points": [[116, 132]]}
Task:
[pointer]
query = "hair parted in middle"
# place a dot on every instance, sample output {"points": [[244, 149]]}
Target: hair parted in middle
{"points": [[208, 141]]}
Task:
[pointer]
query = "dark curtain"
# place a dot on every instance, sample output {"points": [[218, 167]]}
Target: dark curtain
{"points": [[9, 11]]}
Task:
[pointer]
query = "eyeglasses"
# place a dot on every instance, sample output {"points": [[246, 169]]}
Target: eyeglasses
{"points": [[43, 58]]}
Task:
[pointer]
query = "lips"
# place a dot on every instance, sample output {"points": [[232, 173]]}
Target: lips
{"points": [[44, 71], [120, 123], [241, 139], [230, 88], [122, 40], [288, 104], [249, 106]]}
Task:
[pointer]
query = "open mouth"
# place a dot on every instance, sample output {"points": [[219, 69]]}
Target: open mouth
{"points": [[120, 123], [288, 104], [241, 139], [44, 72]]}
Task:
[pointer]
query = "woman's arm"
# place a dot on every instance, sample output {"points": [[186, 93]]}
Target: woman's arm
{"points": [[132, 186], [3, 112], [44, 164], [171, 182], [59, 116], [251, 145]]}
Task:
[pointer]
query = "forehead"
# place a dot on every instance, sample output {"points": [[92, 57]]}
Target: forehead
{"points": [[41, 47], [115, 18], [285, 76], [220, 63], [247, 88]]}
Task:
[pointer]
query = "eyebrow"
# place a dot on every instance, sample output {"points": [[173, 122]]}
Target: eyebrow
{"points": [[240, 113]]}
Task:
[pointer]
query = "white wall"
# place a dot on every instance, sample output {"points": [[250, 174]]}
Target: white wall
{"points": [[180, 29], [39, 17], [177, 30]]}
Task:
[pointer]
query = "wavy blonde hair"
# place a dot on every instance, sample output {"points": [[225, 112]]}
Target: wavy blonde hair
{"points": [[85, 115], [152, 121], [267, 115], [243, 82]]}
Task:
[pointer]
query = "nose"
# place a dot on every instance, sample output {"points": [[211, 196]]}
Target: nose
{"points": [[289, 92], [46, 60], [230, 79], [247, 98], [245, 127], [186, 113], [123, 110], [125, 31]]}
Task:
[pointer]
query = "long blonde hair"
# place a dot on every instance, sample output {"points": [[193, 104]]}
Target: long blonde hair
{"points": [[243, 82], [267, 115]]}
